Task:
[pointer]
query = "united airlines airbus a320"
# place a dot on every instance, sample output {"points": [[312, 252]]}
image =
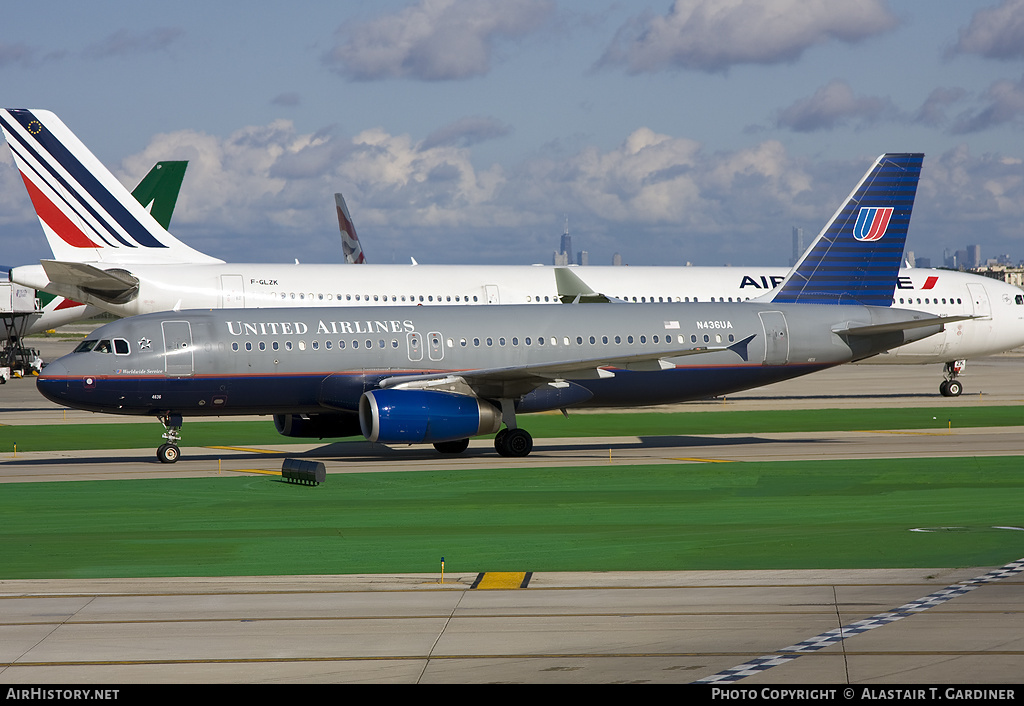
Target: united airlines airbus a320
{"points": [[110, 253], [442, 375]]}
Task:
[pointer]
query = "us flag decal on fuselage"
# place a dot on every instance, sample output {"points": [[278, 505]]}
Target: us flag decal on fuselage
{"points": [[871, 223]]}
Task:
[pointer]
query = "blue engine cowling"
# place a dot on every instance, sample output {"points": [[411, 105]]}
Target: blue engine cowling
{"points": [[424, 416]]}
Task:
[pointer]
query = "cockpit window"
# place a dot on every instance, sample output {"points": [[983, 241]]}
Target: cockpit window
{"points": [[1019, 299], [102, 347], [120, 346], [85, 346]]}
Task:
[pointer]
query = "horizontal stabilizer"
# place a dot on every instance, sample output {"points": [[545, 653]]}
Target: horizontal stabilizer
{"points": [[573, 290], [114, 285], [854, 329]]}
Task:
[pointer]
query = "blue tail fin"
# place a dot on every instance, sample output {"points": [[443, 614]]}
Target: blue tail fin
{"points": [[856, 258]]}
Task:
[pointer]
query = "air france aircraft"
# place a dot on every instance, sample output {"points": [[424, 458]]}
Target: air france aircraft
{"points": [[157, 192], [109, 253], [442, 375]]}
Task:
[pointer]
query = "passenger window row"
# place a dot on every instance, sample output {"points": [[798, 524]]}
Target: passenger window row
{"points": [[488, 342], [305, 297], [930, 300]]}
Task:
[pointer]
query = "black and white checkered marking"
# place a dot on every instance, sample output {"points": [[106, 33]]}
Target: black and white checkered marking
{"points": [[760, 664]]}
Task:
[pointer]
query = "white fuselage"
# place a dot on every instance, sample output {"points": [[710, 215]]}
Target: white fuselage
{"points": [[999, 306]]}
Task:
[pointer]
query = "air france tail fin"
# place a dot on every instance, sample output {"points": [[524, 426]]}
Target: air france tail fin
{"points": [[349, 240], [86, 214], [158, 190], [856, 257]]}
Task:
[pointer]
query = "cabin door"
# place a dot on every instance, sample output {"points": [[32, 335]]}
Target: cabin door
{"points": [[776, 337], [177, 347]]}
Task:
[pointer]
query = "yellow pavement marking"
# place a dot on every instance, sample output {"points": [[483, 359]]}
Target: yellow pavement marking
{"points": [[243, 448], [501, 579], [705, 460], [909, 433]]}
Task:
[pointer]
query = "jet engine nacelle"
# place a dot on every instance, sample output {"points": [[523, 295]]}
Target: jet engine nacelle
{"points": [[316, 426], [424, 416]]}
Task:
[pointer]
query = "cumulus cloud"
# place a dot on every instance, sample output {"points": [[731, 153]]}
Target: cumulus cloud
{"points": [[1004, 104], [933, 111], [965, 196], [264, 193], [713, 35], [832, 106], [434, 40], [995, 32], [272, 174]]}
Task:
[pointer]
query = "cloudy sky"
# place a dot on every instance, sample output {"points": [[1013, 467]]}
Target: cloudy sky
{"points": [[467, 131]]}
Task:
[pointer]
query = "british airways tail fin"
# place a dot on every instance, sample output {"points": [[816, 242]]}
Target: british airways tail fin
{"points": [[856, 257], [86, 214], [350, 244], [158, 190]]}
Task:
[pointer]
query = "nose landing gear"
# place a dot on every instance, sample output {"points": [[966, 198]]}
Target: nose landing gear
{"points": [[169, 452]]}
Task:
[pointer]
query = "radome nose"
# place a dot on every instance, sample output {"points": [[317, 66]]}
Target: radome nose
{"points": [[52, 382], [54, 369]]}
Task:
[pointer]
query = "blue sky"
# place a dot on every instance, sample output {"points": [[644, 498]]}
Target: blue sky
{"points": [[465, 131]]}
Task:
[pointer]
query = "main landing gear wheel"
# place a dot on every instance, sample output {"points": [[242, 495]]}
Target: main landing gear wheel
{"points": [[951, 388], [168, 453], [513, 442], [452, 447]]}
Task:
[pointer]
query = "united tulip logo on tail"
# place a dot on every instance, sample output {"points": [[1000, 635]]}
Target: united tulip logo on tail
{"points": [[871, 223]]}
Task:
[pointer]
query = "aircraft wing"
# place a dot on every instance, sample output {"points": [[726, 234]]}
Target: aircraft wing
{"points": [[573, 290], [521, 379], [113, 285]]}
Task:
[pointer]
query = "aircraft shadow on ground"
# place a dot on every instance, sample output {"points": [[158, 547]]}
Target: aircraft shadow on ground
{"points": [[366, 452]]}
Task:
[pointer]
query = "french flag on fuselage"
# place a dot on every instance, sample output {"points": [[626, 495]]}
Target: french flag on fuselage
{"points": [[871, 223]]}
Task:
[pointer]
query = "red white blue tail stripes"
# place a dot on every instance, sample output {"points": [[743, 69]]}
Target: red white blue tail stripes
{"points": [[86, 214], [856, 258]]}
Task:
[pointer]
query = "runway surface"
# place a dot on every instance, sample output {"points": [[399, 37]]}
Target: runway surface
{"points": [[937, 626]]}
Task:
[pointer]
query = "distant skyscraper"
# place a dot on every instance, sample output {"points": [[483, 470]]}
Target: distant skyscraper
{"points": [[973, 256], [960, 260], [798, 245], [582, 258], [617, 260], [566, 248]]}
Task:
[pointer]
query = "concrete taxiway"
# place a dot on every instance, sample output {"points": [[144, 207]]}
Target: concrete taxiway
{"points": [[637, 627], [911, 626]]}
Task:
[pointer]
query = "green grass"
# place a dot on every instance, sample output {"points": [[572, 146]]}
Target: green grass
{"points": [[800, 515], [249, 433]]}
